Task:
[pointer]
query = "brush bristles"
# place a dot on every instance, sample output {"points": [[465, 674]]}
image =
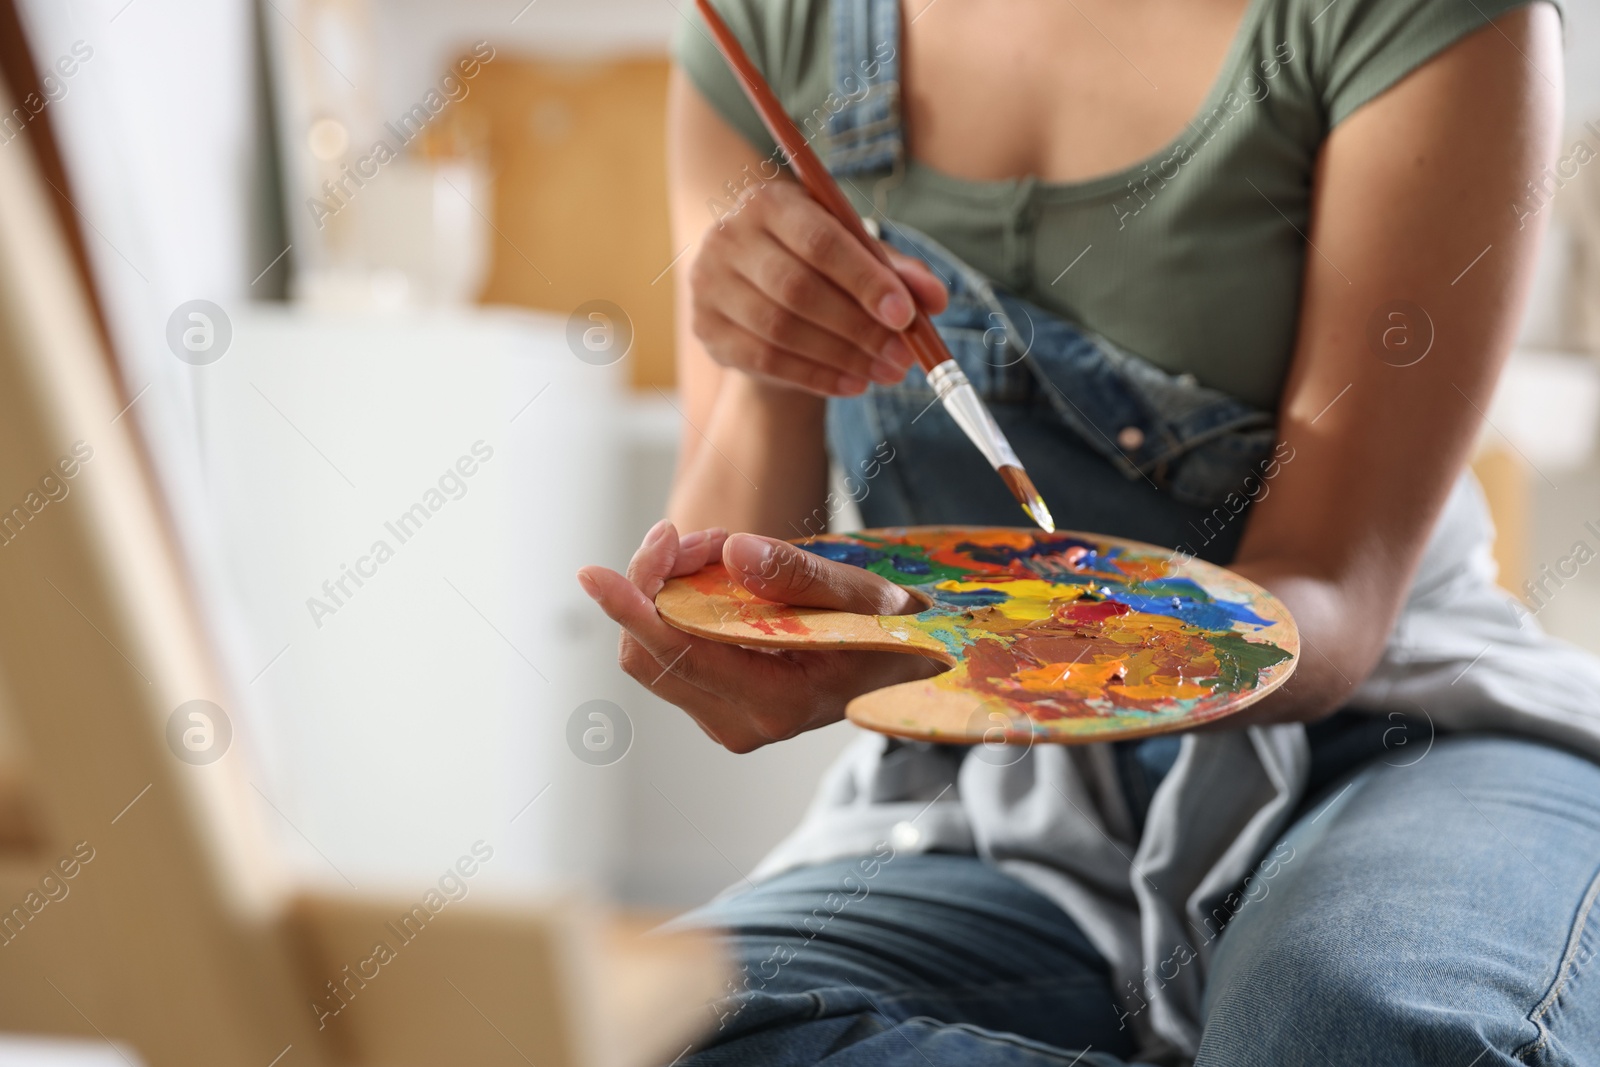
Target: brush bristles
{"points": [[1033, 505], [1040, 514]]}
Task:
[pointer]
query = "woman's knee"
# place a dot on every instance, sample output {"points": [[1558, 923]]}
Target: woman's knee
{"points": [[1308, 1002], [1423, 917]]}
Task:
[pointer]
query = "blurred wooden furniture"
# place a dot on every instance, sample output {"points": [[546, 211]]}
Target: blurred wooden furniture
{"points": [[176, 933], [1505, 479], [578, 154]]}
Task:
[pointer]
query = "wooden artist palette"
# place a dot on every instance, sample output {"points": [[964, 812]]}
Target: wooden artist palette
{"points": [[1061, 637]]}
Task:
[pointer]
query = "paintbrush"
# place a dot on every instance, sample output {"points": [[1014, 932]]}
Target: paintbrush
{"points": [[949, 382]]}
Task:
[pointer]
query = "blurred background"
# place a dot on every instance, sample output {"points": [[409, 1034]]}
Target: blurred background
{"points": [[384, 312], [384, 235]]}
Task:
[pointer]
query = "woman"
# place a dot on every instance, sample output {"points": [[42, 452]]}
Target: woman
{"points": [[1235, 276]]}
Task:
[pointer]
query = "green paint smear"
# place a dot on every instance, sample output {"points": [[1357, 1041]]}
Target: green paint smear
{"points": [[1241, 662], [885, 568], [953, 638], [1160, 587]]}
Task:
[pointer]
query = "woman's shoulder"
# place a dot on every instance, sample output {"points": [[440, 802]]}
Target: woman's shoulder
{"points": [[786, 40], [1353, 50]]}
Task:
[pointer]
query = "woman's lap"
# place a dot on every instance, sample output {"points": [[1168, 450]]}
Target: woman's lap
{"points": [[861, 954], [1432, 912], [1436, 911]]}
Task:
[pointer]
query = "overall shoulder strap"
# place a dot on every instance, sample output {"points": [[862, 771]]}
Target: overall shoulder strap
{"points": [[864, 133]]}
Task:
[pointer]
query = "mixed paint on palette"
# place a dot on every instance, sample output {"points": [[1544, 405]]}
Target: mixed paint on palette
{"points": [[1075, 635]]}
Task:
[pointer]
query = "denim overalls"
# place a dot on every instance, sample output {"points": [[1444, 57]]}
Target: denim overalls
{"points": [[1115, 444]]}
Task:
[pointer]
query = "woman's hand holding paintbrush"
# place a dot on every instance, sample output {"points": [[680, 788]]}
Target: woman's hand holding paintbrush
{"points": [[782, 291], [945, 375]]}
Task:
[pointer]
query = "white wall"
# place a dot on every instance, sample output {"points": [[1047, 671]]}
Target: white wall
{"points": [[406, 724], [418, 38], [430, 706], [1583, 60]]}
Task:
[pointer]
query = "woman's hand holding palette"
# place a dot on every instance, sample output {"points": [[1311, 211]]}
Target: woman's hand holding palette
{"points": [[1061, 637]]}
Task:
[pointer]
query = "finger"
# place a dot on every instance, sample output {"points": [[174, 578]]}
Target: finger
{"points": [[764, 288], [724, 338], [776, 570], [786, 321], [794, 285], [664, 554], [776, 696], [698, 548], [652, 562], [640, 664], [696, 661], [821, 240], [929, 289], [722, 720]]}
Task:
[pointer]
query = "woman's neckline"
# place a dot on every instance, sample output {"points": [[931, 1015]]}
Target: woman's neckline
{"points": [[1112, 181]]}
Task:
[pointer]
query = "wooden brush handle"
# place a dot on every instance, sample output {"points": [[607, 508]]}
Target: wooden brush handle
{"points": [[921, 336]]}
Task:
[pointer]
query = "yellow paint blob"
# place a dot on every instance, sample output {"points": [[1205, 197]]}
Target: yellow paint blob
{"points": [[1032, 599]]}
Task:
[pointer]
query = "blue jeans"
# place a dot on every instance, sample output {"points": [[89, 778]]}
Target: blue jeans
{"points": [[1432, 911]]}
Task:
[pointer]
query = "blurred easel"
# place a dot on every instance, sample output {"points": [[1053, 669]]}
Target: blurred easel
{"points": [[178, 934]]}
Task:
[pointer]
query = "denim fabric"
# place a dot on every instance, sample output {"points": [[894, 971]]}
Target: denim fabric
{"points": [[884, 959], [1437, 912], [864, 134], [1116, 445], [1433, 911]]}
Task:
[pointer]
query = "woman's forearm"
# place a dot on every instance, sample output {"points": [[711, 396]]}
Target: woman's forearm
{"points": [[1380, 444], [759, 465], [1342, 633]]}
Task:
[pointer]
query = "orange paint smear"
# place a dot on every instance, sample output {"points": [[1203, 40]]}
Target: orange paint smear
{"points": [[773, 624], [1088, 679], [763, 616], [713, 580], [1089, 656]]}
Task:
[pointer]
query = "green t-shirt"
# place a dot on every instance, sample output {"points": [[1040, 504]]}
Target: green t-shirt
{"points": [[1191, 258]]}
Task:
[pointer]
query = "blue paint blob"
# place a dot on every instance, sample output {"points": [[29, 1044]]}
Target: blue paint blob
{"points": [[1208, 615], [910, 564], [854, 553], [968, 599]]}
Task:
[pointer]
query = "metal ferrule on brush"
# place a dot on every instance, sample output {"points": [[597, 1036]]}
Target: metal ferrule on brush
{"points": [[961, 400]]}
